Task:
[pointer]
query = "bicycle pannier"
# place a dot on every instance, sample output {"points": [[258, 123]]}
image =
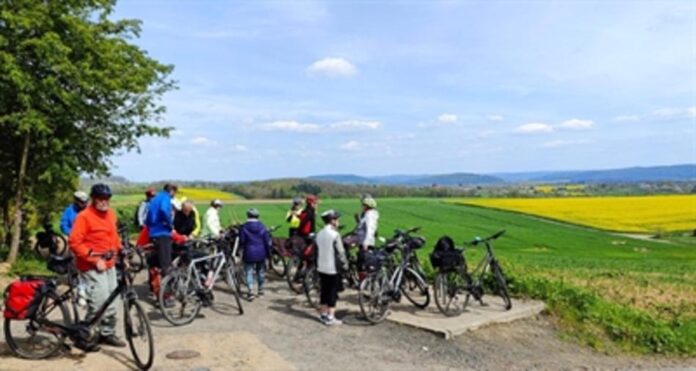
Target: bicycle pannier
{"points": [[444, 256], [22, 297]]}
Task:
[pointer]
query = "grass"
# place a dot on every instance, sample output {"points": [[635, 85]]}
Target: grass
{"points": [[611, 292], [641, 214]]}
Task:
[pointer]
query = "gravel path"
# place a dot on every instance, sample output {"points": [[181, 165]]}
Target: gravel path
{"points": [[279, 331]]}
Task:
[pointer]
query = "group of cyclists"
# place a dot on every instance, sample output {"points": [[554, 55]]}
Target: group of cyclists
{"points": [[165, 221]]}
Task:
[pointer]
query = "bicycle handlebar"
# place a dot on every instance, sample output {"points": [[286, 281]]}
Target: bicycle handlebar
{"points": [[402, 233], [106, 255], [479, 240]]}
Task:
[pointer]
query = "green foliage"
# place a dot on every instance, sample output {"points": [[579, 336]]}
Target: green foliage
{"points": [[74, 91]]}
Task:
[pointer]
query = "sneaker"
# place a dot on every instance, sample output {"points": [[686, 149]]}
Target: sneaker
{"points": [[333, 321], [112, 340], [261, 293], [250, 296], [323, 318]]}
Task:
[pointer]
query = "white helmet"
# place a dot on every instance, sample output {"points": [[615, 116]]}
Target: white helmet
{"points": [[176, 204], [81, 196]]}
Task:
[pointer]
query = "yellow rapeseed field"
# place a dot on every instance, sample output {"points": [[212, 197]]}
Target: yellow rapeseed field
{"points": [[205, 194], [642, 214]]}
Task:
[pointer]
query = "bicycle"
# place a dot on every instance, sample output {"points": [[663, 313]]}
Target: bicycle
{"points": [[51, 325], [190, 283], [277, 261], [454, 282], [386, 282], [303, 260], [49, 242]]}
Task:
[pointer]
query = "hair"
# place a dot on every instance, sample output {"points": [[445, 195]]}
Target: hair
{"points": [[170, 187]]}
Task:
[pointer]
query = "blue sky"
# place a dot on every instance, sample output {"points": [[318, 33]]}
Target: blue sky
{"points": [[279, 89]]}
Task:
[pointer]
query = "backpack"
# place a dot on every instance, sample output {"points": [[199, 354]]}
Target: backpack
{"points": [[23, 296], [445, 257]]}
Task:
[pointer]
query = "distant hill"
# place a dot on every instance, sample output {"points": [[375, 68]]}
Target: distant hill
{"points": [[625, 175], [412, 180]]}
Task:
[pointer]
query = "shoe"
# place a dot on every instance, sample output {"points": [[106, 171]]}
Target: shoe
{"points": [[261, 293], [112, 340], [250, 297], [323, 318], [333, 321]]}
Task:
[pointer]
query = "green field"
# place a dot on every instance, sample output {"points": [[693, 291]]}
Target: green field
{"points": [[609, 291]]}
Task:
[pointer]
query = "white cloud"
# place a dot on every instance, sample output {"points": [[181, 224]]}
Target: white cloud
{"points": [[351, 146], [447, 118], [239, 148], [661, 114], [535, 127], [563, 143], [692, 112], [577, 124], [291, 126], [332, 67], [203, 141], [355, 125], [625, 118], [495, 118]]}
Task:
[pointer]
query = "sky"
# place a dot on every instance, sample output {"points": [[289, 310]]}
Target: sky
{"points": [[290, 89]]}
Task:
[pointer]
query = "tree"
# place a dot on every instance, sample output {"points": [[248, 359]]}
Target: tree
{"points": [[74, 91]]}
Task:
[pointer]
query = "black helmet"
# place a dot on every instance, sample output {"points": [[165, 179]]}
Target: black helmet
{"points": [[330, 215], [100, 190]]}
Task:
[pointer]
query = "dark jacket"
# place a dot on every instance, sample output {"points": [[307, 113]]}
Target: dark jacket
{"points": [[255, 241], [159, 215], [185, 224]]}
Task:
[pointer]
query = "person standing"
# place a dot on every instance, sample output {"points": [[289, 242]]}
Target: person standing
{"points": [[255, 242], [212, 227], [185, 220], [70, 213], [160, 223], [366, 231], [93, 235], [293, 216], [331, 262], [308, 218], [141, 212]]}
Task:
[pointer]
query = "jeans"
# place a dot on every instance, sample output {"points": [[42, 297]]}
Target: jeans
{"points": [[99, 286], [260, 269]]}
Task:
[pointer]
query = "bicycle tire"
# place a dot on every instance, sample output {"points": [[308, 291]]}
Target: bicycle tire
{"points": [[446, 292], [233, 283], [278, 265], [294, 275], [502, 284], [144, 329], [412, 279], [312, 288], [172, 287], [373, 300], [12, 342]]}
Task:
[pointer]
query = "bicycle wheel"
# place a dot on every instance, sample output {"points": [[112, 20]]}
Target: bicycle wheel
{"points": [[312, 288], [277, 264], [415, 289], [448, 291], [501, 283], [373, 298], [233, 283], [178, 300], [29, 338], [53, 245], [139, 334], [295, 275], [136, 260]]}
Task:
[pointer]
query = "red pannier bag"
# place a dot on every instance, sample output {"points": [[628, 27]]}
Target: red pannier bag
{"points": [[22, 297]]}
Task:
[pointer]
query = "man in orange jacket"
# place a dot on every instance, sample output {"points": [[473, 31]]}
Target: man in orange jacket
{"points": [[93, 235]]}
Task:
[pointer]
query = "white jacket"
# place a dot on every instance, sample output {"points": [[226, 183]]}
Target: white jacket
{"points": [[330, 249], [212, 226], [367, 228]]}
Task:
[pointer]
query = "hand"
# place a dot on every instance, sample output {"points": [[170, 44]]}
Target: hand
{"points": [[101, 265]]}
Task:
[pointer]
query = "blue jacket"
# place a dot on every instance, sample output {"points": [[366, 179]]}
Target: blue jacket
{"points": [[159, 215], [255, 241], [68, 218]]}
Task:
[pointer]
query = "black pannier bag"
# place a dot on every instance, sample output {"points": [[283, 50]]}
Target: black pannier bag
{"points": [[445, 257]]}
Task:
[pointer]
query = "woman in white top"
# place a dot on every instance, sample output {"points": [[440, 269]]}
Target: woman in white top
{"points": [[212, 227], [331, 261]]}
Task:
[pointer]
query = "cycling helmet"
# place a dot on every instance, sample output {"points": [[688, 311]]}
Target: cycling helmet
{"points": [[369, 202], [296, 201], [216, 202], [100, 190], [150, 192], [81, 196], [329, 215], [176, 204], [253, 213], [311, 199]]}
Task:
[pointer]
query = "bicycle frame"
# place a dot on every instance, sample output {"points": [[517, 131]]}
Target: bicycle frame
{"points": [[484, 264], [193, 273]]}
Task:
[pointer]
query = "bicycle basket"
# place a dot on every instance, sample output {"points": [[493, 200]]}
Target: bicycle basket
{"points": [[391, 245], [447, 260], [44, 239], [59, 264], [373, 261]]}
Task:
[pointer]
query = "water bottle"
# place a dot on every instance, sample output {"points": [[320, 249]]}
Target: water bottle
{"points": [[82, 294]]}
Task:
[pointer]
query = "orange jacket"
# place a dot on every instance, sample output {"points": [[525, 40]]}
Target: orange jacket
{"points": [[94, 231]]}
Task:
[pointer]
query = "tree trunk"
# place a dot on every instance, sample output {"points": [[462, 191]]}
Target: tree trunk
{"points": [[19, 200]]}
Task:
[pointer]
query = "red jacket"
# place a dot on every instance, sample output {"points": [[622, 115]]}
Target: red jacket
{"points": [[94, 231], [144, 237]]}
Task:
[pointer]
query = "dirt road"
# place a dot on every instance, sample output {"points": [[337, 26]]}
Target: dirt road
{"points": [[279, 332]]}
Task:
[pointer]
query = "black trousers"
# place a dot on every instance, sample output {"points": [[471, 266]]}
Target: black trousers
{"points": [[329, 289], [163, 253]]}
